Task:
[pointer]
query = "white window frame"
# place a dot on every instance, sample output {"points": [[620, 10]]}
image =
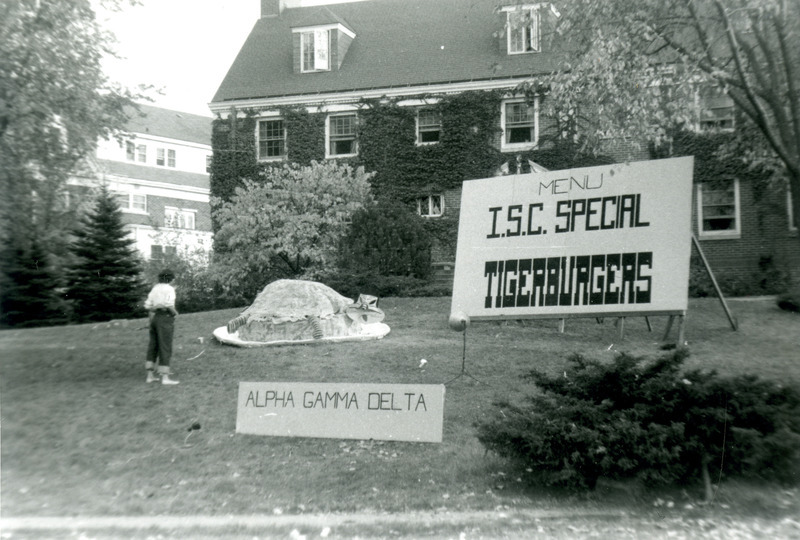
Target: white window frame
{"points": [[165, 250], [319, 57], [330, 138], [508, 146], [282, 155], [428, 201], [710, 123], [165, 157], [736, 232], [428, 128], [531, 41], [134, 203], [180, 218], [136, 153]]}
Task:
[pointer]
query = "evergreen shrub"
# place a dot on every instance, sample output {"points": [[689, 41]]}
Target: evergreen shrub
{"points": [[104, 280], [386, 239], [29, 290], [196, 287], [647, 420], [790, 300]]}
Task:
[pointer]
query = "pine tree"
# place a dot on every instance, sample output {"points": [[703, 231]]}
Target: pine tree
{"points": [[104, 281], [30, 290]]}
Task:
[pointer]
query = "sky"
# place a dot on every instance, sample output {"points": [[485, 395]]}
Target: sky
{"points": [[183, 47]]}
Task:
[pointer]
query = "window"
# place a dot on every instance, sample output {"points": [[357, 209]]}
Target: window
{"points": [[716, 111], [160, 157], [135, 152], [342, 135], [790, 209], [429, 126], [430, 206], [130, 202], [523, 24], [176, 218], [271, 139], [157, 253], [208, 163], [314, 47], [718, 208], [518, 120]]}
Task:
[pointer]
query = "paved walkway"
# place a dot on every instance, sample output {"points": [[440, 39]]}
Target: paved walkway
{"points": [[291, 520]]}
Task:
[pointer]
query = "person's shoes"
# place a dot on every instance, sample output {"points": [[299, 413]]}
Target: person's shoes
{"points": [[166, 380], [151, 377]]}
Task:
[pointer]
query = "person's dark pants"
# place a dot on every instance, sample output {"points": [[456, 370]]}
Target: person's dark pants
{"points": [[162, 327]]}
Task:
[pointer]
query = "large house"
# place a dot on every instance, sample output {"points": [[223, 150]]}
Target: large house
{"points": [[424, 92], [158, 171]]}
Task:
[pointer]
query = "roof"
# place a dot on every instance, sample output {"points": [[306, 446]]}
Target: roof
{"points": [[170, 124], [398, 43], [155, 174]]}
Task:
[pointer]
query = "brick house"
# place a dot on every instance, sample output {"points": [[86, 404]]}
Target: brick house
{"points": [[334, 65], [158, 171]]}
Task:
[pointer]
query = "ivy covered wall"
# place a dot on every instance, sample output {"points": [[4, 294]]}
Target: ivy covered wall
{"points": [[468, 149]]}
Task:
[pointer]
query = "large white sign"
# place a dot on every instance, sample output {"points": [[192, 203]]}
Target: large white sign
{"points": [[394, 412], [613, 239]]}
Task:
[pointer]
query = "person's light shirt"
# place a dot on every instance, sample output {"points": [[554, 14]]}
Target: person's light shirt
{"points": [[162, 296]]}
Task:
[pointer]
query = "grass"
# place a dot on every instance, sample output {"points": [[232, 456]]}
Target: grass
{"points": [[83, 435]]}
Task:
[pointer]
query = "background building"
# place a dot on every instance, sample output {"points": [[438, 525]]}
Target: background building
{"points": [[158, 171], [426, 94]]}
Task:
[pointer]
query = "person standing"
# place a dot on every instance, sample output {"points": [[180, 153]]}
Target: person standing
{"points": [[160, 305]]}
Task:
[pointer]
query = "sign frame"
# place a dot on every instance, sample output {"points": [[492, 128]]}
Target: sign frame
{"points": [[657, 222], [392, 412]]}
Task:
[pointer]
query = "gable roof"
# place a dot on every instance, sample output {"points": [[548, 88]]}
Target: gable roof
{"points": [[170, 124], [398, 43], [320, 16]]}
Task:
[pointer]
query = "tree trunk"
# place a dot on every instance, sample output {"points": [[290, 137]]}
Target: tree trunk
{"points": [[794, 185], [709, 491]]}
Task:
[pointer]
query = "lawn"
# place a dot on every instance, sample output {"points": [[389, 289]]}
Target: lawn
{"points": [[83, 435]]}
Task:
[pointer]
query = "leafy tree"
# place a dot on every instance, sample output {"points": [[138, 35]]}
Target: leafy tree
{"points": [[286, 225], [29, 295], [55, 102], [636, 68], [104, 281]]}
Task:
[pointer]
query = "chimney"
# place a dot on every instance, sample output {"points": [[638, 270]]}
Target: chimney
{"points": [[273, 8]]}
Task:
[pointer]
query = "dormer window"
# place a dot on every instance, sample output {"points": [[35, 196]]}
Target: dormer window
{"points": [[314, 49], [320, 48], [523, 29]]}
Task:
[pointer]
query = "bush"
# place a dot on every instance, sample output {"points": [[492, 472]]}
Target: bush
{"points": [[631, 418], [386, 239], [790, 301], [196, 287], [351, 285], [768, 278]]}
